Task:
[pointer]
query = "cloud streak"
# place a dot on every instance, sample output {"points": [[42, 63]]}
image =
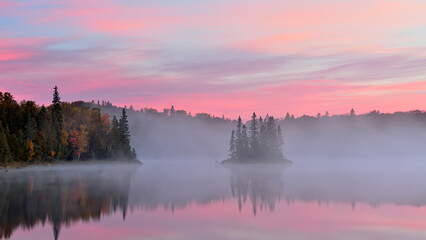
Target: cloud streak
{"points": [[226, 57]]}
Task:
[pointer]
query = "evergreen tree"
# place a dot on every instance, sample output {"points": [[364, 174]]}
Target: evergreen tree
{"points": [[115, 145], [238, 140], [254, 136], [280, 138], [262, 139], [5, 154], [172, 111], [232, 147], [244, 142], [271, 141], [124, 135], [287, 116], [57, 121], [32, 133], [57, 111], [265, 144], [15, 147]]}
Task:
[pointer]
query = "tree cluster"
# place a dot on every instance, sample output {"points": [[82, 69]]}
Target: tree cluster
{"points": [[63, 131], [263, 141]]}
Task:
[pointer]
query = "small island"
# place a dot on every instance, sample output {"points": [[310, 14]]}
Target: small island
{"points": [[61, 132], [263, 143]]}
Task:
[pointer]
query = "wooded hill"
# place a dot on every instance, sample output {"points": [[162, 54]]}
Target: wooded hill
{"points": [[62, 131]]}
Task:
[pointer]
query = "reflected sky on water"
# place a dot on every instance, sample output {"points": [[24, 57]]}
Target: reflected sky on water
{"points": [[189, 200]]}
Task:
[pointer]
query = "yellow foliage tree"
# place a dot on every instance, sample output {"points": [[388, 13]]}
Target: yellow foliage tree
{"points": [[83, 140], [29, 147], [63, 144]]}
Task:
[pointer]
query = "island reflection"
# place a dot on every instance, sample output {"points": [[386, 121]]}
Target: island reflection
{"points": [[262, 184]]}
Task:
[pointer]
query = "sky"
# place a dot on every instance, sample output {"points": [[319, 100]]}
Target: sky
{"points": [[228, 57]]}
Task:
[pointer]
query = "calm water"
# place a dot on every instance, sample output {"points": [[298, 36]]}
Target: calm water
{"points": [[176, 200]]}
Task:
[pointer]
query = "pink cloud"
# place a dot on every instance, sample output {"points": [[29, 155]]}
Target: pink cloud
{"points": [[7, 5], [22, 42], [295, 26], [108, 17], [14, 54], [19, 48], [228, 81]]}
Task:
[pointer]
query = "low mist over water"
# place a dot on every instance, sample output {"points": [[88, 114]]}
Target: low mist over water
{"points": [[374, 136], [61, 201]]}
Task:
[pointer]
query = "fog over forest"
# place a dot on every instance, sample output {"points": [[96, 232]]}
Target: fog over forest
{"points": [[366, 137]]}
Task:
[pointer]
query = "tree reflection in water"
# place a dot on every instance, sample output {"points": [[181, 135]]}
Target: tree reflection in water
{"points": [[262, 184], [61, 197]]}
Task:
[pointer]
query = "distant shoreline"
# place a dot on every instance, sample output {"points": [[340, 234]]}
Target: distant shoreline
{"points": [[20, 165]]}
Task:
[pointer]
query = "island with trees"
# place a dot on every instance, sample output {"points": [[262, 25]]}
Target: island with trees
{"points": [[262, 142], [62, 131]]}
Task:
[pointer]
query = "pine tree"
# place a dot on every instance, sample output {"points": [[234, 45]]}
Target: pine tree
{"points": [[115, 145], [268, 141], [5, 154], [57, 111], [232, 149], [262, 138], [287, 116], [238, 140], [244, 142], [124, 135], [172, 111], [271, 136], [254, 135], [280, 138], [57, 118]]}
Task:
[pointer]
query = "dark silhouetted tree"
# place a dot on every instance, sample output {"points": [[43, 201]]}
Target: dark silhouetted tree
{"points": [[172, 111], [5, 154], [123, 127], [244, 143], [238, 139], [263, 145], [232, 148]]}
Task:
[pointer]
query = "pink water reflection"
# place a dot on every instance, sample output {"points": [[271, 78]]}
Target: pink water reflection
{"points": [[223, 220]]}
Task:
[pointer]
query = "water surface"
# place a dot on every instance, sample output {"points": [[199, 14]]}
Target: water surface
{"points": [[203, 200]]}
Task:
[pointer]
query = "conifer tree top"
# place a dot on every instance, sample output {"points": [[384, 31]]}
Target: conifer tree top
{"points": [[56, 98]]}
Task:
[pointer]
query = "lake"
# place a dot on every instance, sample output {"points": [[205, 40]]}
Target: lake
{"points": [[204, 200]]}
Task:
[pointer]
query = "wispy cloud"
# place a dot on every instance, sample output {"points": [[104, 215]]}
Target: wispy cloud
{"points": [[218, 56]]}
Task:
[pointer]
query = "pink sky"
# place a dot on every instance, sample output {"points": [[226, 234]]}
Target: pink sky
{"points": [[221, 57]]}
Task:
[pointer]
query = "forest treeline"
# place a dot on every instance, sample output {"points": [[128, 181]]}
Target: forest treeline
{"points": [[308, 135], [61, 131], [263, 141]]}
